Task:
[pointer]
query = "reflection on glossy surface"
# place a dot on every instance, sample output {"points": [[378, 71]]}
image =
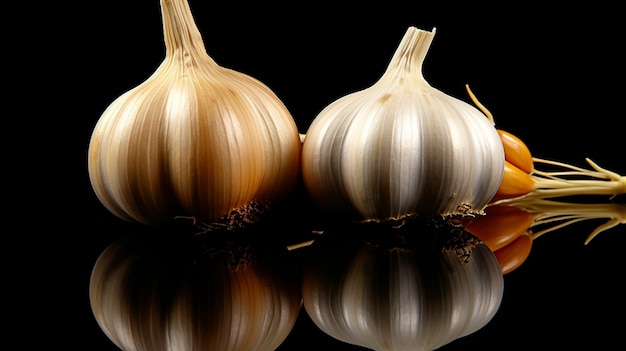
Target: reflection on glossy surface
{"points": [[364, 284], [562, 196], [551, 215], [538, 196], [509, 227], [500, 225], [175, 292], [414, 287]]}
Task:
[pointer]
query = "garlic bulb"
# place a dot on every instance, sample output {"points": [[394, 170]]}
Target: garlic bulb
{"points": [[402, 147], [413, 288], [161, 293], [195, 139]]}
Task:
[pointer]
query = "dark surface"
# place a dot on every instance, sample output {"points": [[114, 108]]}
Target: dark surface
{"points": [[552, 76]]}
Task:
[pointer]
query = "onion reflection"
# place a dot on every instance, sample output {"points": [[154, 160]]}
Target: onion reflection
{"points": [[414, 287], [190, 293]]}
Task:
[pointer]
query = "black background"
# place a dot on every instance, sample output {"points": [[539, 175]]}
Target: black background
{"points": [[552, 75]]}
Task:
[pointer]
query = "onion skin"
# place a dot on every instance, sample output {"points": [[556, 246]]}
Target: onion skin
{"points": [[516, 152], [515, 182], [518, 167]]}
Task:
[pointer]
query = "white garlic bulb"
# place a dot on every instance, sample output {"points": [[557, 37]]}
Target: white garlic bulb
{"points": [[195, 139], [402, 147], [413, 288]]}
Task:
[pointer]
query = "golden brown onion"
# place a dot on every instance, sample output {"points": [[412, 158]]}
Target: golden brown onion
{"points": [[195, 139]]}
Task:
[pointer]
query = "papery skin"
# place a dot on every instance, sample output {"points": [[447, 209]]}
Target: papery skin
{"points": [[195, 139], [401, 147]]}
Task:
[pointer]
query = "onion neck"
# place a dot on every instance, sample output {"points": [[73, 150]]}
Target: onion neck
{"points": [[182, 37]]}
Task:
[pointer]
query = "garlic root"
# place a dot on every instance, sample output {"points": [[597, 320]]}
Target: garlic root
{"points": [[549, 184]]}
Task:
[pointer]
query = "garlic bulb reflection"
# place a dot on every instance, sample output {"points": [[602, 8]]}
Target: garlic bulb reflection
{"points": [[195, 139], [402, 147], [164, 293], [414, 288]]}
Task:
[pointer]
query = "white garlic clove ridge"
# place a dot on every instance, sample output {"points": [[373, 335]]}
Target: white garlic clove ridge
{"points": [[401, 147]]}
